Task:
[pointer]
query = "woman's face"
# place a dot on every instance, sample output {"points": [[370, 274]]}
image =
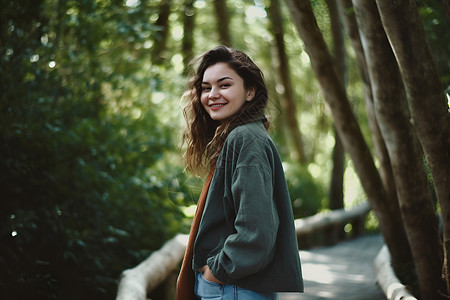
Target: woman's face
{"points": [[223, 92]]}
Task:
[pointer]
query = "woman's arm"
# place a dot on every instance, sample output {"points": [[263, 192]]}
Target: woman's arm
{"points": [[250, 249]]}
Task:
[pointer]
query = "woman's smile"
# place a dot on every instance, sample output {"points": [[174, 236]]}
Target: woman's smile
{"points": [[217, 106]]}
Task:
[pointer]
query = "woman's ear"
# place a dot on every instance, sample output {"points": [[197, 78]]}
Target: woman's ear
{"points": [[250, 94]]}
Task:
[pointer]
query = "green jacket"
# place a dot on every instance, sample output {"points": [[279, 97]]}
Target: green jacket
{"points": [[247, 235]]}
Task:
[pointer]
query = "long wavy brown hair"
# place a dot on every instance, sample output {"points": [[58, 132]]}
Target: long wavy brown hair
{"points": [[204, 137]]}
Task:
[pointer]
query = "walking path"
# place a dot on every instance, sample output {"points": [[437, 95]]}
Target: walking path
{"points": [[342, 272]]}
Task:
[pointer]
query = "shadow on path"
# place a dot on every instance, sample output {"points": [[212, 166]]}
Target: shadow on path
{"points": [[343, 271]]}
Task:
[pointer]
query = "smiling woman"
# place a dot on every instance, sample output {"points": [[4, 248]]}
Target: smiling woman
{"points": [[223, 92], [205, 135], [242, 242]]}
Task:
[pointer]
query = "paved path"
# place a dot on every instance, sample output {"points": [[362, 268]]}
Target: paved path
{"points": [[342, 272]]}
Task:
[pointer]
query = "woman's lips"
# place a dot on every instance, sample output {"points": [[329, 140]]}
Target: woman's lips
{"points": [[217, 106]]}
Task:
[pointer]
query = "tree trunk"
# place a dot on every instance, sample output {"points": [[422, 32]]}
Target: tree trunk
{"points": [[336, 193], [392, 113], [288, 99], [401, 258], [160, 41], [223, 22], [347, 126], [429, 109], [351, 28], [446, 5], [188, 34]]}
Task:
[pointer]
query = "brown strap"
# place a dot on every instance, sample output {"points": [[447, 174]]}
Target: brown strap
{"points": [[186, 280]]}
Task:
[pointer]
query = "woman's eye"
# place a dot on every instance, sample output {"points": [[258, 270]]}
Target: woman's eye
{"points": [[225, 85], [206, 88]]}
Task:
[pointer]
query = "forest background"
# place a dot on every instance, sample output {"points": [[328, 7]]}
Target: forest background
{"points": [[92, 178]]}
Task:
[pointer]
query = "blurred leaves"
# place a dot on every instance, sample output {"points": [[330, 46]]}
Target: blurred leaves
{"points": [[437, 28], [84, 195], [307, 194]]}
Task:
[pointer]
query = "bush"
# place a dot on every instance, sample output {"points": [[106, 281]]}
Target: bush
{"points": [[306, 194], [86, 189]]}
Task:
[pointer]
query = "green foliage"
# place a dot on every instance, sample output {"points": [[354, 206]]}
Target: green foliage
{"points": [[84, 193], [306, 193], [371, 223], [437, 28]]}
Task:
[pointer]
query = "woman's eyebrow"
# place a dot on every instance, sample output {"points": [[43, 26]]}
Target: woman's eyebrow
{"points": [[224, 78], [219, 80]]}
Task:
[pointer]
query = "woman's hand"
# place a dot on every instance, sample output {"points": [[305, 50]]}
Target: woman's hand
{"points": [[208, 275]]}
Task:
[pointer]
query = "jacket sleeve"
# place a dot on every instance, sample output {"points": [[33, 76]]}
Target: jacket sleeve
{"points": [[251, 248]]}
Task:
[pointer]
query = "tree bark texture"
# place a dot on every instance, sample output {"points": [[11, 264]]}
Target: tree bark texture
{"points": [[401, 257], [288, 99], [223, 22], [339, 52], [160, 40], [446, 5], [429, 109], [345, 122], [336, 193], [187, 43], [414, 195]]}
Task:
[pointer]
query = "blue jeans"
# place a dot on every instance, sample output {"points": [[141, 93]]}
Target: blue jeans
{"points": [[205, 289]]}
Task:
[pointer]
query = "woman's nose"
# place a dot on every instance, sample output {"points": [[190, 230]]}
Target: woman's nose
{"points": [[213, 94]]}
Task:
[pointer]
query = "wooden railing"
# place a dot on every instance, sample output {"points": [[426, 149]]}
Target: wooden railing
{"points": [[155, 277], [387, 280], [330, 227]]}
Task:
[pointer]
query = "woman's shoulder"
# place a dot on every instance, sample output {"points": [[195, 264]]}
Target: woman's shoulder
{"points": [[252, 130], [251, 145], [249, 137]]}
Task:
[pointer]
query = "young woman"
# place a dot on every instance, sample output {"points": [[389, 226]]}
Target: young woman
{"points": [[245, 246]]}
